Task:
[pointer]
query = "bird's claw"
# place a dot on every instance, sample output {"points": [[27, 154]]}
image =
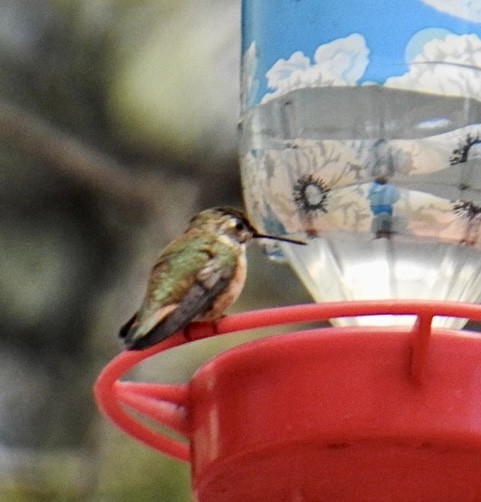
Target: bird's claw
{"points": [[199, 330]]}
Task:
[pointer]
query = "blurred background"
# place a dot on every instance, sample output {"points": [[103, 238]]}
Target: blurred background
{"points": [[118, 120]]}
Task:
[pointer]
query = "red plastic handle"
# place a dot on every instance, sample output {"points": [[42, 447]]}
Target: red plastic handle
{"points": [[164, 404], [167, 405]]}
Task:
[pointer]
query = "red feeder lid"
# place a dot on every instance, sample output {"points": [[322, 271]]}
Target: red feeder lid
{"points": [[364, 413]]}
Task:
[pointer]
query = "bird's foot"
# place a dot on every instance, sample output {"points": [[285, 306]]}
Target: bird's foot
{"points": [[199, 330]]}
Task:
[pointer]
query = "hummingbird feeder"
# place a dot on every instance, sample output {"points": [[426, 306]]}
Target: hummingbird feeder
{"points": [[334, 413], [364, 141]]}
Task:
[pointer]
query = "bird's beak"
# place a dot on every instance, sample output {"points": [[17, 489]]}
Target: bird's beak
{"points": [[278, 238]]}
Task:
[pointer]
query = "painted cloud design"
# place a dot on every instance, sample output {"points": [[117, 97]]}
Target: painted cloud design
{"points": [[250, 84], [338, 63], [451, 66], [464, 9]]}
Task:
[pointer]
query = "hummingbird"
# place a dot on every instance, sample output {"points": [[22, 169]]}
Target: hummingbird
{"points": [[196, 277]]}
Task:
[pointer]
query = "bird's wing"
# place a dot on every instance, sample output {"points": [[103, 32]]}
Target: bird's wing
{"points": [[177, 298], [124, 330]]}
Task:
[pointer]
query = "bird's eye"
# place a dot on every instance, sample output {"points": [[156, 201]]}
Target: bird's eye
{"points": [[239, 226]]}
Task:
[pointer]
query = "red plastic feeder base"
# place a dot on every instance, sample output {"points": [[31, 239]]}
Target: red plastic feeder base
{"points": [[345, 414]]}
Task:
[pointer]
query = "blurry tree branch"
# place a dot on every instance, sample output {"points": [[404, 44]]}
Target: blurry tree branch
{"points": [[72, 158]]}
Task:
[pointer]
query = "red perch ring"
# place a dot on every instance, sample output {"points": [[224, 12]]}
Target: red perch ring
{"points": [[354, 413]]}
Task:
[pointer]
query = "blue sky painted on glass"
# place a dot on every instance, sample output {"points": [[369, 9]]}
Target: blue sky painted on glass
{"points": [[394, 31]]}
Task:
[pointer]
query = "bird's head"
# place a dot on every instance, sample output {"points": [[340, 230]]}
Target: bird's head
{"points": [[232, 223]]}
